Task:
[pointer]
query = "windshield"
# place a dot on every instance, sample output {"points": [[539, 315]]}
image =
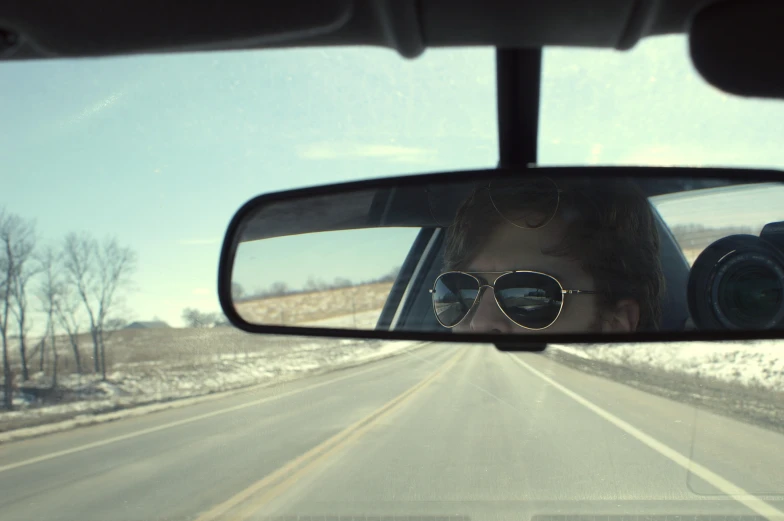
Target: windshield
{"points": [[649, 107], [129, 397], [160, 151]]}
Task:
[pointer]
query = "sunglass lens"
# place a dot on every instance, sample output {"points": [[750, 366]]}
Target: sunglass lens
{"points": [[453, 296], [531, 300], [527, 203]]}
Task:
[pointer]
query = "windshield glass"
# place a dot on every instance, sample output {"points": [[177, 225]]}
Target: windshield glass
{"points": [[648, 106], [160, 151], [129, 398]]}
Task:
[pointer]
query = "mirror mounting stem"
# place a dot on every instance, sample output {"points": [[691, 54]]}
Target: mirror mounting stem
{"points": [[532, 346]]}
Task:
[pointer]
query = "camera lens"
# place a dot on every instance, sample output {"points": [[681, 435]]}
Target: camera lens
{"points": [[737, 283], [750, 295]]}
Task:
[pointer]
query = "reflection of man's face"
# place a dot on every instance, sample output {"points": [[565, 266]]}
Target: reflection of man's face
{"points": [[512, 248]]}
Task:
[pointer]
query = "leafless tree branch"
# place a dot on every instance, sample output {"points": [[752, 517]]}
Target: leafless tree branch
{"points": [[16, 248], [98, 272], [49, 294]]}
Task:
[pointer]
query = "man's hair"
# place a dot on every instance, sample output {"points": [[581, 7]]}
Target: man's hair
{"points": [[610, 230]]}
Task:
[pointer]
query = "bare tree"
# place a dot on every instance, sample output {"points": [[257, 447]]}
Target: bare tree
{"points": [[341, 282], [191, 317], [260, 293], [16, 247], [237, 291], [78, 263], [55, 357], [112, 326], [68, 316], [40, 350], [278, 289], [49, 294], [314, 284], [25, 272], [195, 318], [115, 265], [7, 266], [220, 320], [98, 272]]}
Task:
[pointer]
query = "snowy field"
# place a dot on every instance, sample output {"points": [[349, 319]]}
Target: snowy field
{"points": [[758, 364], [159, 366], [154, 367]]}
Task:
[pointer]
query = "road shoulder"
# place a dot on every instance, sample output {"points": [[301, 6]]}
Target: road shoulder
{"points": [[761, 407]]}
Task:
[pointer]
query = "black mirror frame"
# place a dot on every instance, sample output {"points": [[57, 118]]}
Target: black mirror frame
{"points": [[525, 342]]}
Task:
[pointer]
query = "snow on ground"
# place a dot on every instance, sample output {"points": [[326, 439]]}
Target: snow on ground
{"points": [[132, 384], [755, 364]]}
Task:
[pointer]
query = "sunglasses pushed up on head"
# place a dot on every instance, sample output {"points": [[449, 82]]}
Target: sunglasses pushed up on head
{"points": [[531, 299]]}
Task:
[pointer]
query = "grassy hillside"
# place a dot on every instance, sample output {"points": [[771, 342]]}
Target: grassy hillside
{"points": [[308, 307]]}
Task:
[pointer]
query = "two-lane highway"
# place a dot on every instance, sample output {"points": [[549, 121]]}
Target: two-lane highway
{"points": [[444, 430]]}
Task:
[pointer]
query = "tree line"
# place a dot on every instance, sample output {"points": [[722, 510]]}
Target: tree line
{"points": [[202, 319], [76, 286]]}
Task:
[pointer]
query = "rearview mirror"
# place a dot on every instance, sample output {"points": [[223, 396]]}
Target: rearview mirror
{"points": [[599, 254]]}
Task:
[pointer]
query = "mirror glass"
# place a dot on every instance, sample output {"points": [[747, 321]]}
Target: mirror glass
{"points": [[532, 254], [325, 279]]}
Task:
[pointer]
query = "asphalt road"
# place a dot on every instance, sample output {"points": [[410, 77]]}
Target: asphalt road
{"points": [[448, 430]]}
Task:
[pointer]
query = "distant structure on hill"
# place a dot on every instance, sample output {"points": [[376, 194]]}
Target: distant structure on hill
{"points": [[153, 324]]}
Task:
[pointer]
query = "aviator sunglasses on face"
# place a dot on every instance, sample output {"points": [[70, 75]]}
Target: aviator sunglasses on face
{"points": [[530, 299]]}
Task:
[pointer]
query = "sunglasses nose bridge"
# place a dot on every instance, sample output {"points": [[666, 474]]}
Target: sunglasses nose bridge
{"points": [[479, 296], [487, 315], [481, 291], [491, 289]]}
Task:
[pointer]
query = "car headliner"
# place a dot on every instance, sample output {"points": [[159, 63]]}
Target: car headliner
{"points": [[735, 44]]}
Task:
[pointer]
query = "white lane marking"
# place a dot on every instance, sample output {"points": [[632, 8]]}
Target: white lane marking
{"points": [[755, 504], [185, 421]]}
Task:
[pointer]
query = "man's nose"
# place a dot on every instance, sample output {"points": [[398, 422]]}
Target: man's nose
{"points": [[488, 317]]}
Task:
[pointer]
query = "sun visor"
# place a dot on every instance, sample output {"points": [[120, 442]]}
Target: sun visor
{"points": [[738, 46]]}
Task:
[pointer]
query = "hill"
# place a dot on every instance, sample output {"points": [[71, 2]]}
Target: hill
{"points": [[301, 308]]}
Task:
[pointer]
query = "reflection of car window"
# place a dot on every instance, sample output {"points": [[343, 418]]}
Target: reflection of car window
{"points": [[700, 217], [322, 278]]}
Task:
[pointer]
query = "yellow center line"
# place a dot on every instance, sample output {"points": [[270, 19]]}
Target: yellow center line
{"points": [[218, 396], [257, 495]]}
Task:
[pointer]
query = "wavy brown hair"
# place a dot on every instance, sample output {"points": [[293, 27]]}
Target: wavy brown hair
{"points": [[610, 231]]}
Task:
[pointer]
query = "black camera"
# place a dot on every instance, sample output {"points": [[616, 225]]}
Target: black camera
{"points": [[738, 282]]}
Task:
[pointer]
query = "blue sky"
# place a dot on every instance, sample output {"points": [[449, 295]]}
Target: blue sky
{"points": [[159, 151]]}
